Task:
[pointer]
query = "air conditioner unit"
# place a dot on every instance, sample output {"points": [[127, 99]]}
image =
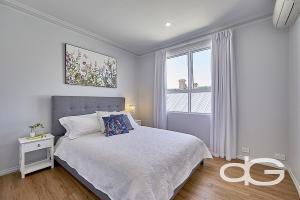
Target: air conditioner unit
{"points": [[286, 13]]}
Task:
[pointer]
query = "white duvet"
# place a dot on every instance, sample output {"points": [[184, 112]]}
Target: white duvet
{"points": [[145, 164]]}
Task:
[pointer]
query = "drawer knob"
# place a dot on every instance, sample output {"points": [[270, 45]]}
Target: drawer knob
{"points": [[39, 145]]}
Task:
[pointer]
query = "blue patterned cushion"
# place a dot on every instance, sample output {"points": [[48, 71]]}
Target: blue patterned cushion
{"points": [[120, 122], [110, 127], [114, 125], [126, 120]]}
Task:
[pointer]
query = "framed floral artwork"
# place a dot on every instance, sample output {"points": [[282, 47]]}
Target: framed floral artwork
{"points": [[88, 68]]}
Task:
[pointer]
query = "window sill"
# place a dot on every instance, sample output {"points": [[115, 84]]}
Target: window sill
{"points": [[189, 113]]}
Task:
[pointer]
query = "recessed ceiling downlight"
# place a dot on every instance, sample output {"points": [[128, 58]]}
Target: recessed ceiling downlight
{"points": [[168, 24]]}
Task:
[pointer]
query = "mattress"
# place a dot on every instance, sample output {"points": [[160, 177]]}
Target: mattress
{"points": [[145, 164]]}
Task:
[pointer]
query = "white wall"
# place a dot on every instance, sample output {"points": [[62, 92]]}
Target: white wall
{"points": [[262, 61], [191, 123], [146, 89], [261, 58], [32, 70], [294, 103]]}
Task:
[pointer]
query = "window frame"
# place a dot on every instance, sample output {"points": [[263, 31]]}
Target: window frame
{"points": [[190, 89]]}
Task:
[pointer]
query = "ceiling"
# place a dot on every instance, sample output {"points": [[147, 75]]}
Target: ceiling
{"points": [[139, 25]]}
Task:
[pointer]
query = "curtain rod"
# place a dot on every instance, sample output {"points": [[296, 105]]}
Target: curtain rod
{"points": [[207, 34]]}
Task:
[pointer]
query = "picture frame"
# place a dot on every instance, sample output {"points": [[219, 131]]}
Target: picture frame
{"points": [[89, 68]]}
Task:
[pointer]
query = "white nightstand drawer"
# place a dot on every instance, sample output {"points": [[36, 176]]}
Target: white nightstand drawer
{"points": [[37, 145]]}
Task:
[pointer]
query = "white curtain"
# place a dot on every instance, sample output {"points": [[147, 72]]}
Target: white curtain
{"points": [[160, 112], [224, 105]]}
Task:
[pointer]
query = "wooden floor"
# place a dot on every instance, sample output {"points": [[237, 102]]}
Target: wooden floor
{"points": [[204, 184]]}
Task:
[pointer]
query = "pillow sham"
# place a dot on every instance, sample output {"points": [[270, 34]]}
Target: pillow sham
{"points": [[101, 114], [113, 126], [80, 125]]}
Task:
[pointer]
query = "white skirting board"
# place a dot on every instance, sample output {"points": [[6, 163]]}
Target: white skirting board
{"points": [[9, 170], [296, 182]]}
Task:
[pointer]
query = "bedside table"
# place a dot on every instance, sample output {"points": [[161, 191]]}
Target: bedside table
{"points": [[27, 145], [138, 121]]}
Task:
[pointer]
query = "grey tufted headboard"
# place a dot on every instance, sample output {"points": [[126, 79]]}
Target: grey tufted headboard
{"points": [[63, 106]]}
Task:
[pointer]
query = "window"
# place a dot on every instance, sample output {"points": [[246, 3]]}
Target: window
{"points": [[189, 82]]}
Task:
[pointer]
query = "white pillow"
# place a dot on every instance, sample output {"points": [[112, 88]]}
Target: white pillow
{"points": [[77, 126], [101, 114]]}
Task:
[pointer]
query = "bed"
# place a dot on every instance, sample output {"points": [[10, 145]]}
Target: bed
{"points": [[145, 164]]}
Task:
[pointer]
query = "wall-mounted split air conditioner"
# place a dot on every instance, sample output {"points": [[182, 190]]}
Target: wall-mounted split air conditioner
{"points": [[286, 13]]}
